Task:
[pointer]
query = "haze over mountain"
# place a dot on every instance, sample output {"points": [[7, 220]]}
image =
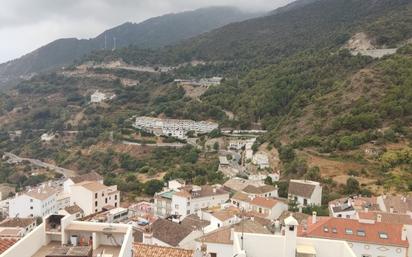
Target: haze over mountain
{"points": [[152, 33]]}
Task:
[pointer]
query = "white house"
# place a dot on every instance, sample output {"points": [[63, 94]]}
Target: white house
{"points": [[253, 243], [305, 192], [90, 176], [342, 209], [92, 197], [365, 238], [193, 198], [261, 191], [22, 226], [175, 184], [220, 217], [35, 202], [47, 137]]}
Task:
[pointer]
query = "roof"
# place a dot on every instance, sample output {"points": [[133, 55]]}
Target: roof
{"points": [[325, 226], [202, 191], [193, 220], [299, 216], [170, 232], [387, 217], [399, 203], [41, 193], [167, 194], [6, 244], [91, 176], [264, 202], [250, 189], [303, 188], [92, 186], [226, 214], [357, 202], [17, 222], [143, 250], [241, 197], [342, 208], [73, 209], [238, 184], [223, 235]]}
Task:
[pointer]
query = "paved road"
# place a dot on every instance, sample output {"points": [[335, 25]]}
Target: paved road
{"points": [[176, 145], [65, 172]]}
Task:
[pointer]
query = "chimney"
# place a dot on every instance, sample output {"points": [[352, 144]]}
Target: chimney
{"points": [[379, 218], [314, 214], [404, 233], [148, 236]]}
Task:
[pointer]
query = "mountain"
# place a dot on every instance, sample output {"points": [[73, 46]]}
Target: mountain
{"points": [[156, 32]]}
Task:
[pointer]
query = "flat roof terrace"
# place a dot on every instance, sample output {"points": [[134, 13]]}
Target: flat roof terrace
{"points": [[51, 248]]}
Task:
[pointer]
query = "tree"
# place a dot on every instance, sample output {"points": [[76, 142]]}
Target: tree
{"points": [[216, 146], [313, 174], [352, 186], [153, 186]]}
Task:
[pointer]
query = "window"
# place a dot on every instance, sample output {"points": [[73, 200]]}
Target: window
{"points": [[383, 235], [95, 203], [102, 193], [325, 229], [95, 195], [31, 207], [361, 232], [334, 230], [31, 200], [213, 254], [95, 210], [115, 197], [105, 200], [349, 231], [305, 202], [115, 204]]}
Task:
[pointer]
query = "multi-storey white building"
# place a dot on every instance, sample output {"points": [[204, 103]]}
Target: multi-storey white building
{"points": [[173, 127], [367, 238], [190, 199], [35, 202], [92, 197], [305, 192]]}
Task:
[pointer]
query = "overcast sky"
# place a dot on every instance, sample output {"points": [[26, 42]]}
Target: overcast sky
{"points": [[28, 24]]}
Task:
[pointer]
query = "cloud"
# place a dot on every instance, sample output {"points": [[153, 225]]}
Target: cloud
{"points": [[27, 25]]}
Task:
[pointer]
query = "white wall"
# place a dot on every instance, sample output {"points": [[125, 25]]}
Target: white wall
{"points": [[361, 249], [20, 206], [221, 250]]}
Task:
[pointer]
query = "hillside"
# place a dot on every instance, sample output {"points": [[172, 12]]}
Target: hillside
{"points": [[156, 32], [331, 113]]}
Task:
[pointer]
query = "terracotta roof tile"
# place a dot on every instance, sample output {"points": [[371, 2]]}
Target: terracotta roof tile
{"points": [[241, 197], [17, 222], [340, 225], [258, 190], [264, 202], [6, 244], [170, 232], [226, 214], [143, 250], [387, 217]]}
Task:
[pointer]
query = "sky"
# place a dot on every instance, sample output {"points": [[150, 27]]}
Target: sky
{"points": [[26, 25]]}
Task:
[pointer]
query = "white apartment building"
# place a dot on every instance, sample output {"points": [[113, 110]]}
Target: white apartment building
{"points": [[366, 238], [305, 192], [35, 202], [250, 242], [92, 197], [265, 207], [173, 127], [90, 176], [193, 198]]}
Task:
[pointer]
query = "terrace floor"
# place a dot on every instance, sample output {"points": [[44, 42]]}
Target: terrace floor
{"points": [[109, 251]]}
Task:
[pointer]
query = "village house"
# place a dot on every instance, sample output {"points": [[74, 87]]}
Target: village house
{"points": [[219, 243], [92, 196], [220, 217], [395, 204], [366, 239], [34, 202], [15, 228], [305, 192], [73, 210], [47, 137], [171, 234], [90, 176], [237, 184], [348, 207], [190, 199], [163, 203], [261, 191]]}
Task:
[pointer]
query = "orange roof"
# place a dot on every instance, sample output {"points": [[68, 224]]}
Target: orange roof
{"points": [[264, 202], [386, 217], [6, 244], [226, 214], [143, 250], [354, 231], [92, 186]]}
